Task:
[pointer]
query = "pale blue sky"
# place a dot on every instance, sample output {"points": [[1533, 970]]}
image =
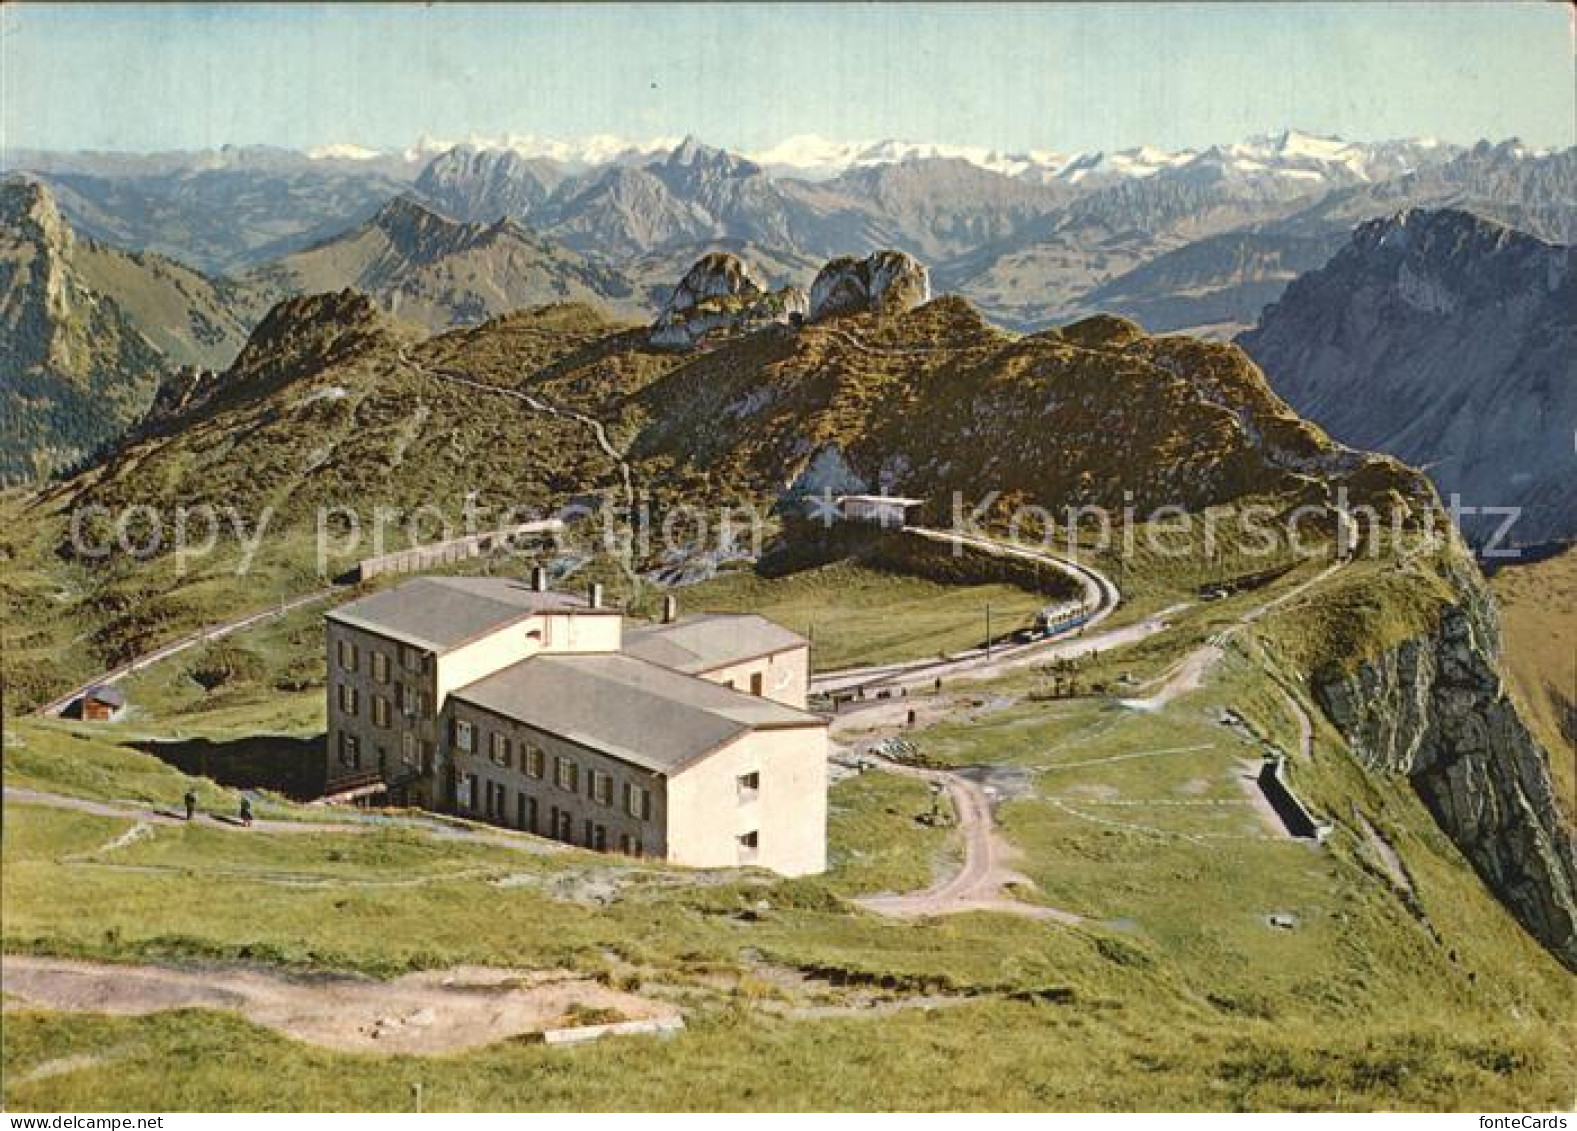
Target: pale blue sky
{"points": [[745, 76]]}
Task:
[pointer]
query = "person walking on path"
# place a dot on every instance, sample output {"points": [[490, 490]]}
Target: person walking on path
{"points": [[191, 804], [246, 811]]}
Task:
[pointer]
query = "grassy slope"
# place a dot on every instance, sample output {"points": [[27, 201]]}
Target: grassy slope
{"points": [[855, 615], [1538, 609], [1181, 993]]}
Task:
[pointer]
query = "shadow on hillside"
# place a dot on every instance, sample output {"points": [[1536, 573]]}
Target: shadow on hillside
{"points": [[294, 767]]}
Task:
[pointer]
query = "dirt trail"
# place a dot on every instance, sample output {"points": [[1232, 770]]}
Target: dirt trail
{"points": [[983, 883], [422, 1014], [1387, 855], [438, 830], [599, 433], [1189, 673]]}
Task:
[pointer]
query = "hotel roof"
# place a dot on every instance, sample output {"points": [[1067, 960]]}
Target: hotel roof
{"points": [[442, 613], [710, 641], [638, 712]]}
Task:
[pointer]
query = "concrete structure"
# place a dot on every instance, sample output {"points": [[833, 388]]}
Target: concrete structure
{"points": [[889, 511], [686, 740]]}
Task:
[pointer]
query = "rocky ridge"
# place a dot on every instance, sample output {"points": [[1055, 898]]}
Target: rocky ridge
{"points": [[1435, 709]]}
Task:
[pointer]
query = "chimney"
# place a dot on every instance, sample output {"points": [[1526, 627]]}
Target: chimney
{"points": [[670, 609], [539, 579], [594, 595]]}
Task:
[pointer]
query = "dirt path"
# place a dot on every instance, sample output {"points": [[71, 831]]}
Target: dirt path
{"points": [[438, 830], [211, 632], [421, 1014], [1387, 855], [983, 883], [599, 432], [1189, 673]]}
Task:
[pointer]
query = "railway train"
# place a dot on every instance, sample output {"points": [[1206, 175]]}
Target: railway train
{"points": [[1061, 617]]}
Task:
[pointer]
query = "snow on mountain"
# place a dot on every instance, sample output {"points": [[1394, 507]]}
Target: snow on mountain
{"points": [[343, 152], [1293, 159], [577, 153], [817, 158]]}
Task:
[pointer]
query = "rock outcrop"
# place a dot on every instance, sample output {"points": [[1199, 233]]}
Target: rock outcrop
{"points": [[718, 274], [722, 294], [1434, 708], [885, 282]]}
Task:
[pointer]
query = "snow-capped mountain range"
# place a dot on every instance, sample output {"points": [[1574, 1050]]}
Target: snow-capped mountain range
{"points": [[1292, 154]]}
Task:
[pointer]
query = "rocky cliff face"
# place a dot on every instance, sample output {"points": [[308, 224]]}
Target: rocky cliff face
{"points": [[1435, 709], [885, 282], [1448, 341], [483, 185], [722, 293]]}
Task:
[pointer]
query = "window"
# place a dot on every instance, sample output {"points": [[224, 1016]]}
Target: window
{"points": [[601, 788], [630, 845], [757, 683], [526, 813], [749, 846], [349, 750], [599, 838], [467, 798], [749, 786], [410, 658], [498, 750], [349, 654], [380, 710], [464, 736], [347, 699], [534, 762], [566, 774], [408, 752], [637, 802], [380, 667]]}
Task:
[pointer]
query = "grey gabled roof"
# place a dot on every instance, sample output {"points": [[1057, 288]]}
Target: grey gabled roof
{"points": [[630, 709], [709, 641], [105, 693], [440, 613]]}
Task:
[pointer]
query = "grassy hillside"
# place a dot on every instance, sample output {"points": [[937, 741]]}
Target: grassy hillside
{"points": [[1177, 991]]}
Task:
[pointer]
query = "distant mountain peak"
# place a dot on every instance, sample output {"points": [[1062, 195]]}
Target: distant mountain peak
{"points": [[28, 205], [693, 154]]}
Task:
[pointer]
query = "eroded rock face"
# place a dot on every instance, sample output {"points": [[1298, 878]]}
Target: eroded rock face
{"points": [[717, 274], [1435, 710], [1450, 342], [721, 293], [885, 282]]}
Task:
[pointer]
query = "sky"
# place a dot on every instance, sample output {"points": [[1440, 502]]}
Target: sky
{"points": [[745, 76]]}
